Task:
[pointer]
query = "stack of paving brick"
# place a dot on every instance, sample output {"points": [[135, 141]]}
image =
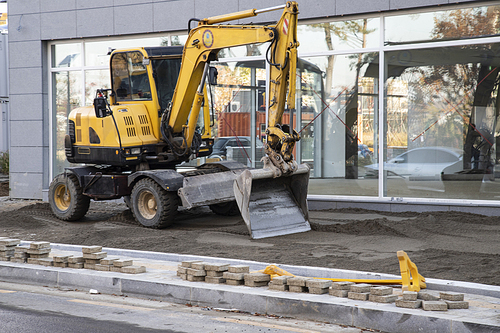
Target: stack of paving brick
{"points": [[61, 261], [77, 262], [279, 283], [297, 284], [215, 273], [256, 279], [38, 254], [318, 286], [382, 295], [97, 260], [20, 254], [340, 289], [92, 256], [7, 248], [235, 275], [359, 292], [431, 302]]}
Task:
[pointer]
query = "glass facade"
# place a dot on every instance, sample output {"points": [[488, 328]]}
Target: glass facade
{"points": [[388, 106]]}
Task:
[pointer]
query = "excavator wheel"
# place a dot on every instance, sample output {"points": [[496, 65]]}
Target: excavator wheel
{"points": [[152, 206], [226, 208], [66, 199]]}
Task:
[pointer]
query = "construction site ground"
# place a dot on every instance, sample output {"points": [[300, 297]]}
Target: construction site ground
{"points": [[444, 245]]}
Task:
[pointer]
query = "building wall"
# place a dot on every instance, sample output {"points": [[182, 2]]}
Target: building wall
{"points": [[33, 22]]}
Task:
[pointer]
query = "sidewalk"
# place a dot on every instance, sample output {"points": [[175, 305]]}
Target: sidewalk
{"points": [[161, 283]]}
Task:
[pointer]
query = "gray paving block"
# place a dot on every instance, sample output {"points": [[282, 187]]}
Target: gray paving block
{"points": [[382, 298], [345, 285], [76, 265], [402, 303], [381, 291], [338, 292], [41, 255], [108, 261], [91, 249], [361, 288], [238, 269], [198, 265], [95, 255], [188, 263], [454, 304], [196, 272], [410, 295], [123, 263], [215, 274], [297, 281], [317, 291], [7, 247], [434, 306], [46, 262], [133, 269], [32, 261], [297, 289], [278, 287], [60, 259], [235, 282], [257, 277], [89, 266], [317, 283], [182, 276], [101, 267], [358, 296], [214, 280], [233, 276], [182, 270], [216, 267], [280, 279], [60, 264], [38, 245], [426, 296], [21, 249], [195, 278], [75, 260], [451, 296], [38, 251], [252, 283], [92, 261]]}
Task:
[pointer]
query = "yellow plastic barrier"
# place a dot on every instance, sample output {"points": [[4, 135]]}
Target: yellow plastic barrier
{"points": [[410, 278]]}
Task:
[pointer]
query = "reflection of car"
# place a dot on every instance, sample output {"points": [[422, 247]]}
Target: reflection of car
{"points": [[425, 163], [221, 144]]}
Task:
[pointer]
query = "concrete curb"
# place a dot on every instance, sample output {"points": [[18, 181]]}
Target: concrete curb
{"points": [[165, 286]]}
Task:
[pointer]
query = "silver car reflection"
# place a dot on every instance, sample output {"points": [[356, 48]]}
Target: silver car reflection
{"points": [[425, 163]]}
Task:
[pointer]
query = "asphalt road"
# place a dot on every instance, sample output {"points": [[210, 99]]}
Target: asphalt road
{"points": [[40, 309]]}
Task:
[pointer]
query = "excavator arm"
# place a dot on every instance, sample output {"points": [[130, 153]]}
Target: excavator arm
{"points": [[202, 46]]}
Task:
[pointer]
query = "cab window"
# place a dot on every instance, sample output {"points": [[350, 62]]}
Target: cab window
{"points": [[130, 77]]}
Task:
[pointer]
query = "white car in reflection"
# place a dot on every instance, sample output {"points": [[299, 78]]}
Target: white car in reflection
{"points": [[425, 163]]}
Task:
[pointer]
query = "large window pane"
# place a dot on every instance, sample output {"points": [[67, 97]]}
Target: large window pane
{"points": [[344, 135], [98, 79], [442, 128], [66, 97], [442, 25], [328, 36], [66, 55]]}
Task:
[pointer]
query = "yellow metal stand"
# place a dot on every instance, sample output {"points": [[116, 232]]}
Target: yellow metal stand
{"points": [[410, 278]]}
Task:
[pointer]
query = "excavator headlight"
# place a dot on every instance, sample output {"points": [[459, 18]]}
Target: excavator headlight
{"points": [[135, 151]]}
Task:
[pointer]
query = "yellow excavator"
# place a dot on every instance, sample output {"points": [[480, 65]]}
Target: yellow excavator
{"points": [[156, 116]]}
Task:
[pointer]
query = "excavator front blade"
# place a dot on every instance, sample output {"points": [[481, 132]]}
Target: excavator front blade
{"points": [[273, 206]]}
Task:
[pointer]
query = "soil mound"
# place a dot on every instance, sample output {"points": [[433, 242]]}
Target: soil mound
{"points": [[359, 228]]}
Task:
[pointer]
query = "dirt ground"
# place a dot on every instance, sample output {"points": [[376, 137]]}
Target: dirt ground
{"points": [[446, 245]]}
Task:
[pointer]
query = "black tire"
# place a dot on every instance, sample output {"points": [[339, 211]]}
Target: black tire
{"points": [[66, 198], [152, 206], [226, 208]]}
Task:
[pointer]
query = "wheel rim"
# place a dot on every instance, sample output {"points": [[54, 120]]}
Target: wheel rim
{"points": [[147, 204], [62, 197]]}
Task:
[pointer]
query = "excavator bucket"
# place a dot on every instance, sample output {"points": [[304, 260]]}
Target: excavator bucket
{"points": [[273, 206]]}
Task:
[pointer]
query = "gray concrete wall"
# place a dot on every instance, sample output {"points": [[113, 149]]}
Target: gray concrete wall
{"points": [[32, 22]]}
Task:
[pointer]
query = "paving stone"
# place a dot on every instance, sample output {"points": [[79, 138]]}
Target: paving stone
{"points": [[21, 249], [7, 247], [434, 306], [76, 260], [4, 258], [451, 296], [278, 287], [60, 264], [358, 296], [93, 261], [39, 245], [233, 276], [252, 283], [188, 263], [297, 281], [18, 260], [108, 261], [318, 291], [402, 303], [297, 289], [91, 249], [216, 267], [33, 261], [239, 269], [60, 259], [382, 298], [181, 270], [196, 272], [89, 266], [235, 282], [381, 291], [124, 263], [77, 265], [42, 255], [95, 255], [38, 251], [454, 304], [343, 285], [257, 277], [410, 295], [425, 296], [195, 278], [214, 274], [20, 255], [316, 283], [9, 241], [338, 292], [198, 265], [9, 253], [182, 276], [133, 269], [280, 279], [361, 288], [115, 269], [214, 279], [101, 267], [46, 262]]}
